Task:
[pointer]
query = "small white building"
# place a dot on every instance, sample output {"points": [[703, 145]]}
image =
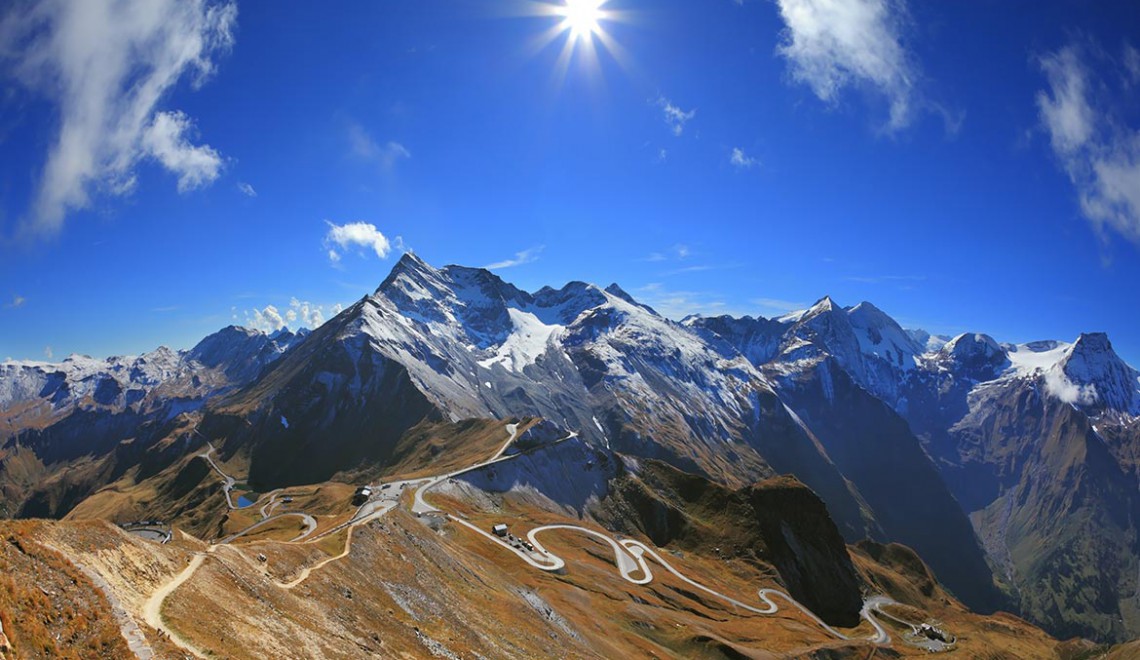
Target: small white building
{"points": [[499, 530]]}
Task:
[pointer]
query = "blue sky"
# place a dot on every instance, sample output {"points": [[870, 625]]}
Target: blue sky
{"points": [[173, 167]]}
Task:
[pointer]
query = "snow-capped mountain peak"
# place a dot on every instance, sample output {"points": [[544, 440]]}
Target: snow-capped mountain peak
{"points": [[972, 345], [821, 306], [880, 335], [932, 343], [1091, 363], [975, 355]]}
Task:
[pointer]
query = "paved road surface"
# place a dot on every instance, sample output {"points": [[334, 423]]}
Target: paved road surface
{"points": [[629, 555], [310, 524], [419, 506], [229, 481]]}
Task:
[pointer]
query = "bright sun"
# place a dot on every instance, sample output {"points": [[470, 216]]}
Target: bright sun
{"points": [[581, 17], [582, 27]]}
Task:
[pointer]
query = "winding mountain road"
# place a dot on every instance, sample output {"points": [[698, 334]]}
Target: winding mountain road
{"points": [[630, 556], [419, 506], [228, 481], [310, 524]]}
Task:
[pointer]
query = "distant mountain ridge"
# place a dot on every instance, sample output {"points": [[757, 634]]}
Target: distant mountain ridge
{"points": [[955, 446]]}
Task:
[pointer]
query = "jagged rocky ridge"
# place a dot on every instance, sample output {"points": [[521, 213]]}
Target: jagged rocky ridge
{"points": [[70, 427], [962, 448], [1036, 442]]}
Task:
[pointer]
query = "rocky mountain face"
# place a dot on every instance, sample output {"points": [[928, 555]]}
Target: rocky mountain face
{"points": [[1012, 470], [1036, 443], [68, 428], [1019, 435], [458, 343], [778, 520]]}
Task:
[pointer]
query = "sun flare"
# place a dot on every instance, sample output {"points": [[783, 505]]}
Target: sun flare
{"points": [[583, 30], [581, 17]]}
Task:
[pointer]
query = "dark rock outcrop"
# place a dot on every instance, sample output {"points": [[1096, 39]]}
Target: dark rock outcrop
{"points": [[778, 521]]}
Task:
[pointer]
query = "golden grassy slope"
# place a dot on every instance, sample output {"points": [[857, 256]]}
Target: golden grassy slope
{"points": [[407, 589], [48, 608]]}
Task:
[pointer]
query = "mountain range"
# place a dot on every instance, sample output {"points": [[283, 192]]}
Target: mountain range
{"points": [[1012, 470]]}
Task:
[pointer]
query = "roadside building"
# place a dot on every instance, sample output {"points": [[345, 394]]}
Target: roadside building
{"points": [[499, 530], [361, 496]]}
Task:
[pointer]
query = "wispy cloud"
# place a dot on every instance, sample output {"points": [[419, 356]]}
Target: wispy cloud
{"points": [[1132, 64], [833, 44], [246, 189], [741, 160], [17, 302], [526, 256], [364, 147], [679, 252], [674, 116], [778, 307], [681, 257], [166, 309], [48, 353], [340, 238], [677, 304], [107, 66], [1089, 136], [695, 268]]}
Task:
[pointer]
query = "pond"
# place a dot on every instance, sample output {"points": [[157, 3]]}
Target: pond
{"points": [[247, 499]]}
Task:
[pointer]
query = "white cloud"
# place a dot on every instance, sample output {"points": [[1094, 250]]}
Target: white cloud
{"points": [[1065, 110], [266, 320], [355, 234], [1059, 386], [107, 64], [832, 44], [299, 314], [17, 302], [364, 147], [674, 116], [312, 316], [1098, 150], [48, 353], [741, 160], [165, 140], [246, 189], [527, 256]]}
